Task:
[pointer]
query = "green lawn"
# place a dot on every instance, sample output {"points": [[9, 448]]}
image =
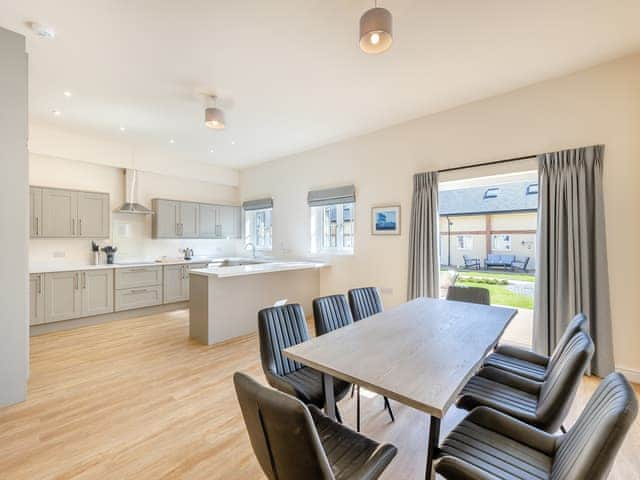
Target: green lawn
{"points": [[501, 295]]}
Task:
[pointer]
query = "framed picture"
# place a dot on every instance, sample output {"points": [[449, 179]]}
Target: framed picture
{"points": [[385, 220]]}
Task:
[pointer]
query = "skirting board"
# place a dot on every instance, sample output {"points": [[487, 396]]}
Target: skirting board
{"points": [[36, 330], [632, 375]]}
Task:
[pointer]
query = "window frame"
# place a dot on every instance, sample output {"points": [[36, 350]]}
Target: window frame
{"points": [[507, 237], [318, 232], [464, 237], [251, 233]]}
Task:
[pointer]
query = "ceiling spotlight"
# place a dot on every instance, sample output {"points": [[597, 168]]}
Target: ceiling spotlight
{"points": [[172, 141], [376, 30], [211, 150], [213, 116], [43, 31], [233, 142], [122, 129], [67, 93], [56, 113]]}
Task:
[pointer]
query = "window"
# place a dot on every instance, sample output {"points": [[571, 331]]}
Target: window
{"points": [[501, 243], [257, 228], [491, 193], [333, 228], [465, 242], [532, 189]]}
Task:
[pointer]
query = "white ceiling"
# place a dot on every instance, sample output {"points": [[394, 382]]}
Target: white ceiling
{"points": [[290, 71]]}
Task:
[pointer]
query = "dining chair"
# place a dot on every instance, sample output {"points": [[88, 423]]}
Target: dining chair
{"points": [[281, 327], [532, 365], [477, 295], [333, 312], [293, 441], [488, 444], [364, 302], [541, 404]]}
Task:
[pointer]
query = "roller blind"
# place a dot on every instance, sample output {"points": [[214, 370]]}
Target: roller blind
{"points": [[259, 204], [332, 196]]}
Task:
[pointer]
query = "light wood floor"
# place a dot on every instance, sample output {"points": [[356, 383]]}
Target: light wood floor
{"points": [[137, 399]]}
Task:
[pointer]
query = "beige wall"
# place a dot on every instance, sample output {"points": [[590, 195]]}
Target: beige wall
{"points": [[130, 233], [599, 105]]}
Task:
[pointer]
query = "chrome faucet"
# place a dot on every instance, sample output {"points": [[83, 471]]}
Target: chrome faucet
{"points": [[253, 248]]}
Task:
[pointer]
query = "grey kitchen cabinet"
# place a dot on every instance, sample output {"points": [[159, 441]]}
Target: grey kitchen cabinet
{"points": [[59, 212], [56, 212], [93, 215], [176, 283], [63, 297], [138, 287], [131, 298], [97, 291], [36, 299], [208, 220], [176, 219], [35, 212], [133, 277]]}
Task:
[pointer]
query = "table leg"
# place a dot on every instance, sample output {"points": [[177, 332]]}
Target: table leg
{"points": [[329, 396], [432, 445]]}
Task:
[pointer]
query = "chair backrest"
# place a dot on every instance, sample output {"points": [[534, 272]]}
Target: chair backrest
{"points": [[494, 258], [331, 313], [279, 328], [508, 258], [365, 302], [589, 448], [562, 381], [282, 432], [577, 323], [469, 294]]}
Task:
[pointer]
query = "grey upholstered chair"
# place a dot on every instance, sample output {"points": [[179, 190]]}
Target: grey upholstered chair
{"points": [[530, 364], [364, 302], [488, 444], [293, 441], [282, 327], [469, 294], [330, 313], [541, 404]]}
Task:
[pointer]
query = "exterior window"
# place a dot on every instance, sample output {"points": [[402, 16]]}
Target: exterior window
{"points": [[501, 243], [257, 228], [465, 242], [333, 228], [532, 189], [491, 193]]}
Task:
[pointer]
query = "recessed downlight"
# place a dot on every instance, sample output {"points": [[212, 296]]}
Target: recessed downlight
{"points": [[122, 129], [56, 113], [233, 142], [67, 93], [211, 150], [172, 141]]}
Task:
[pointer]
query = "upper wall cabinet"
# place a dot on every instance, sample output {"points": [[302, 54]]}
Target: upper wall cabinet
{"points": [[176, 219], [68, 213]]}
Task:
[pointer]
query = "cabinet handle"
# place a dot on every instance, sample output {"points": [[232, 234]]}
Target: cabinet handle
{"points": [[37, 226], [75, 281], [73, 226], [39, 284], [84, 280], [143, 290], [80, 227]]}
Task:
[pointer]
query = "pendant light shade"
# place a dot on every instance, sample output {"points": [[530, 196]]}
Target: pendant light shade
{"points": [[376, 30], [214, 118]]}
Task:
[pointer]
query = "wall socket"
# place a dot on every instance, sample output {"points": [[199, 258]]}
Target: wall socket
{"points": [[59, 254], [386, 291]]}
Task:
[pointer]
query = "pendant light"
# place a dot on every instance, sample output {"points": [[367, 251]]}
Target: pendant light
{"points": [[376, 30], [213, 116]]}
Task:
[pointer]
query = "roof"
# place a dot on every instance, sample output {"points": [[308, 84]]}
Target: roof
{"points": [[503, 198]]}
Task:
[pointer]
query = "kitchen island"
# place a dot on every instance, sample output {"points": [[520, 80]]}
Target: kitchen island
{"points": [[225, 300]]}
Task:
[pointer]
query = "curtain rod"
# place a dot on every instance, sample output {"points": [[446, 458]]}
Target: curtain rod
{"points": [[496, 162]]}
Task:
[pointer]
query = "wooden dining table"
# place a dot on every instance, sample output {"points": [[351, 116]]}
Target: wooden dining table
{"points": [[420, 353]]}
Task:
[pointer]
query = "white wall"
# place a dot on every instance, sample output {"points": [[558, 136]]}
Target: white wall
{"points": [[599, 105], [130, 233], [14, 208]]}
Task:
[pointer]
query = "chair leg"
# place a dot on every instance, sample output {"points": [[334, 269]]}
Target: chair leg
{"points": [[562, 429], [338, 416], [358, 408], [387, 405], [353, 389]]}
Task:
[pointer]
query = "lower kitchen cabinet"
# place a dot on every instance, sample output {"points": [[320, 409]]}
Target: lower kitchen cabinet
{"points": [[97, 291], [63, 297], [36, 299], [176, 283], [130, 298]]}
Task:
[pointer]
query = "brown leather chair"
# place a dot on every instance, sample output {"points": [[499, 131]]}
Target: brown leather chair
{"points": [[541, 404], [282, 327], [292, 441], [330, 313], [488, 444], [477, 295], [530, 364]]}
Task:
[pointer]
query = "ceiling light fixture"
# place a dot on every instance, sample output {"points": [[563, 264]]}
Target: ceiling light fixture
{"points": [[211, 150], [67, 93], [122, 129], [233, 142], [172, 141], [213, 116], [56, 113], [376, 25]]}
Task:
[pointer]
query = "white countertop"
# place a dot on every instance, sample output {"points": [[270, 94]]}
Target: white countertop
{"points": [[69, 267], [267, 267]]}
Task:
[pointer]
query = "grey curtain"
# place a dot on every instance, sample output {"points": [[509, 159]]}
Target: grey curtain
{"points": [[424, 264], [572, 256]]}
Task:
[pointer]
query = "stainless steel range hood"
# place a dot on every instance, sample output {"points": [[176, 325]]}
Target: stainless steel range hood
{"points": [[130, 205]]}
